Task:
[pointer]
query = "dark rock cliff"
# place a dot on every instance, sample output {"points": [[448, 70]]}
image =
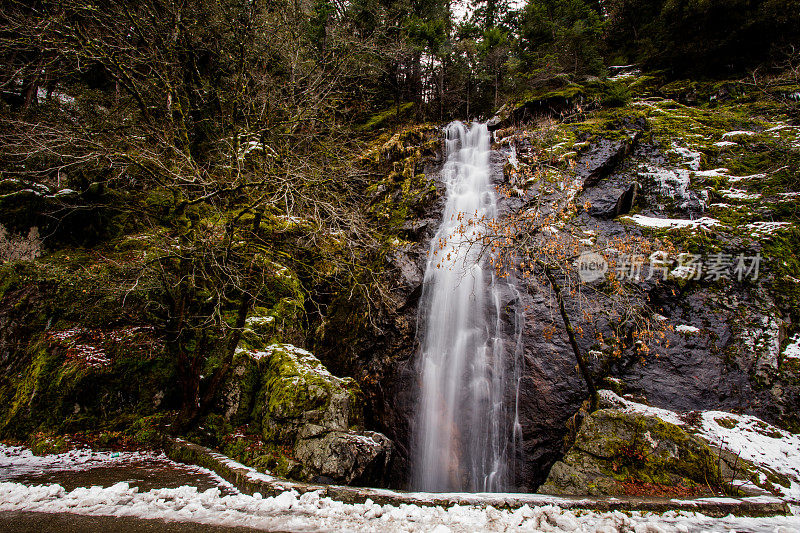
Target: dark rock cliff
{"points": [[725, 335]]}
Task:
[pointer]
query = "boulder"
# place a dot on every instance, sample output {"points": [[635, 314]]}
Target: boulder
{"points": [[614, 203], [314, 418], [603, 158], [299, 391], [613, 448], [345, 456]]}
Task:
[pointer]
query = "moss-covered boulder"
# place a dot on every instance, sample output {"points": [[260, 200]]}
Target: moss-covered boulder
{"points": [[309, 419], [299, 391], [615, 450]]}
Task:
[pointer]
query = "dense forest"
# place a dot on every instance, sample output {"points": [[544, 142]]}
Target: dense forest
{"points": [[182, 182]]}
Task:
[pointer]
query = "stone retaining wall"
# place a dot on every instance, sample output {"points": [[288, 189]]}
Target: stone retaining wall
{"points": [[250, 481]]}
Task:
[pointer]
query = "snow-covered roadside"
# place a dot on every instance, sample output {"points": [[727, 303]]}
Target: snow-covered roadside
{"points": [[18, 462], [310, 512]]}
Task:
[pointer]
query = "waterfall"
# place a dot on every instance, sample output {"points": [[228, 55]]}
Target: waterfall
{"points": [[467, 434]]}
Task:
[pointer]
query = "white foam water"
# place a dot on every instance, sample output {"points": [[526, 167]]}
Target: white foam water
{"points": [[467, 434]]}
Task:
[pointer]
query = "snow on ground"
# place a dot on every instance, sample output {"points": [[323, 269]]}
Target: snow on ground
{"points": [[691, 157], [291, 511], [673, 183], [749, 437], [687, 329], [734, 179], [713, 173], [739, 194], [758, 442], [764, 229], [625, 75], [18, 461], [82, 466], [738, 133]]}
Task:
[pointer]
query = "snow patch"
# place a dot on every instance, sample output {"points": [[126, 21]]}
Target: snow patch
{"points": [[765, 229], [734, 179], [792, 350], [259, 320], [512, 158], [673, 183], [725, 144], [651, 222], [713, 173], [692, 157], [739, 194], [738, 133]]}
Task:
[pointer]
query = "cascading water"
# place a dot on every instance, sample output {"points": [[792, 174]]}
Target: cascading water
{"points": [[467, 433]]}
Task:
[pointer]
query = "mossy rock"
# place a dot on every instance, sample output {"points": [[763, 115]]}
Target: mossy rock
{"points": [[613, 448], [311, 422], [283, 388], [301, 391], [58, 387]]}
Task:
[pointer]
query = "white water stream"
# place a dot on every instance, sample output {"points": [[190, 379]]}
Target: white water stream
{"points": [[467, 434]]}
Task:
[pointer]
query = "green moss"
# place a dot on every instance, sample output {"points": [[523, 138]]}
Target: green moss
{"points": [[404, 191], [728, 423], [645, 86], [299, 390], [779, 479], [45, 444], [783, 263], [53, 389], [615, 95], [611, 124], [614, 447], [148, 430], [299, 383], [211, 431], [9, 278], [387, 116]]}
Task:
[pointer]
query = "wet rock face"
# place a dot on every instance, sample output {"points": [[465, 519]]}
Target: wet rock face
{"points": [[728, 363], [551, 389], [727, 357]]}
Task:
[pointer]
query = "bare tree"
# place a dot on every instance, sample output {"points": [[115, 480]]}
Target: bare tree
{"points": [[202, 125]]}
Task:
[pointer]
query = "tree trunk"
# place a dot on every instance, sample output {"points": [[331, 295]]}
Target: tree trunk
{"points": [[582, 366]]}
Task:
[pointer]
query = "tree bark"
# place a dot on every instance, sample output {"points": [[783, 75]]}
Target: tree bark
{"points": [[573, 341]]}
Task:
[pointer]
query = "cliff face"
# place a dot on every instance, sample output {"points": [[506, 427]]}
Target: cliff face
{"points": [[706, 177]]}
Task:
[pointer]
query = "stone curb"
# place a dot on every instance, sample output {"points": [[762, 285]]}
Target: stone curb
{"points": [[250, 481]]}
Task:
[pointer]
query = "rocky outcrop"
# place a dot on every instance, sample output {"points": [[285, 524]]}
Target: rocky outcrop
{"points": [[723, 338], [613, 448], [312, 416], [550, 103], [634, 449]]}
